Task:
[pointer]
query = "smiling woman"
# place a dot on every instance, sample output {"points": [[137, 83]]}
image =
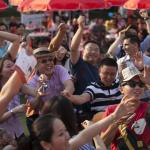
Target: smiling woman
{"points": [[132, 88], [56, 136]]}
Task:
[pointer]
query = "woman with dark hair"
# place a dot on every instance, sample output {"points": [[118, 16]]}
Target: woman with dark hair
{"points": [[9, 120], [51, 133], [62, 107]]}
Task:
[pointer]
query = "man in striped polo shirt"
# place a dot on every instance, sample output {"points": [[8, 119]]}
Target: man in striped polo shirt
{"points": [[103, 93]]}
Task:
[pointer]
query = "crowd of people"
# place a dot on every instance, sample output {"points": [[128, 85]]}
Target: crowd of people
{"points": [[94, 76]]}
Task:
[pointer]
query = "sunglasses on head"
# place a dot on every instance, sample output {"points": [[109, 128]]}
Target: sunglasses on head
{"points": [[46, 60], [133, 83]]}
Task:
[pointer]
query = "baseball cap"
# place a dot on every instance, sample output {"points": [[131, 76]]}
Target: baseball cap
{"points": [[129, 72]]}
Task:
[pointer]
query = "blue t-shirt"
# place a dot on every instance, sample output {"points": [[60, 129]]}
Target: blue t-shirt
{"points": [[83, 73]]}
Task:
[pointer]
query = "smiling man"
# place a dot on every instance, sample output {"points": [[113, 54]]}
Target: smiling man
{"points": [[103, 93]]}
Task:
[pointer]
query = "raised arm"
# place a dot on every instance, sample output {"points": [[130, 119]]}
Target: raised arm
{"points": [[13, 85], [87, 134], [75, 53], [112, 51], [144, 15], [57, 40], [14, 39], [145, 75]]}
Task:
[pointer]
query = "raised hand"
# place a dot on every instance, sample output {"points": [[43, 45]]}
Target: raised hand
{"points": [[143, 13], [126, 107], [138, 60], [81, 21], [62, 27], [122, 32], [145, 76]]}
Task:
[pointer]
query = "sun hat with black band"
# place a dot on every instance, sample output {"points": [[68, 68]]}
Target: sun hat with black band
{"points": [[42, 52], [129, 72]]}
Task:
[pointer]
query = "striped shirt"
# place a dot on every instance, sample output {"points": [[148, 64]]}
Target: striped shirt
{"points": [[87, 147], [102, 96]]}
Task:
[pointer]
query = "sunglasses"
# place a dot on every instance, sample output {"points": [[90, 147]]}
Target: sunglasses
{"points": [[45, 61], [133, 84]]}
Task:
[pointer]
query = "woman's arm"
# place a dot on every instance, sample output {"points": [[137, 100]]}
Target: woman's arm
{"points": [[18, 109], [13, 85], [86, 135], [8, 91], [15, 39], [109, 134]]}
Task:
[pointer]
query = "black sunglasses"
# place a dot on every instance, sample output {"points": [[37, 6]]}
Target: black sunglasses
{"points": [[133, 84]]}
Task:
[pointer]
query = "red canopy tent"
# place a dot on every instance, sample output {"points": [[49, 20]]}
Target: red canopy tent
{"points": [[116, 2], [3, 5], [77, 4], [47, 5], [137, 4], [33, 5], [15, 2]]}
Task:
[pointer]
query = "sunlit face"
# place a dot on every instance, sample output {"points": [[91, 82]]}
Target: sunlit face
{"points": [[60, 138], [107, 74], [136, 91], [46, 65], [129, 47], [60, 54], [8, 69], [91, 53]]}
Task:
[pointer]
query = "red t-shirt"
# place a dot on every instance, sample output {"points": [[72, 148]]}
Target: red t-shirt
{"points": [[137, 125]]}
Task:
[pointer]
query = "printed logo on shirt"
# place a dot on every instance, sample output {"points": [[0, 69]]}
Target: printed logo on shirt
{"points": [[139, 126]]}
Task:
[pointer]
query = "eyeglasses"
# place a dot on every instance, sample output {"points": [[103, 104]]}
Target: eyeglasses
{"points": [[133, 84], [44, 61]]}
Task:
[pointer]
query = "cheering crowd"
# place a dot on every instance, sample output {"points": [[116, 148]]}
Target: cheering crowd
{"points": [[93, 76]]}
